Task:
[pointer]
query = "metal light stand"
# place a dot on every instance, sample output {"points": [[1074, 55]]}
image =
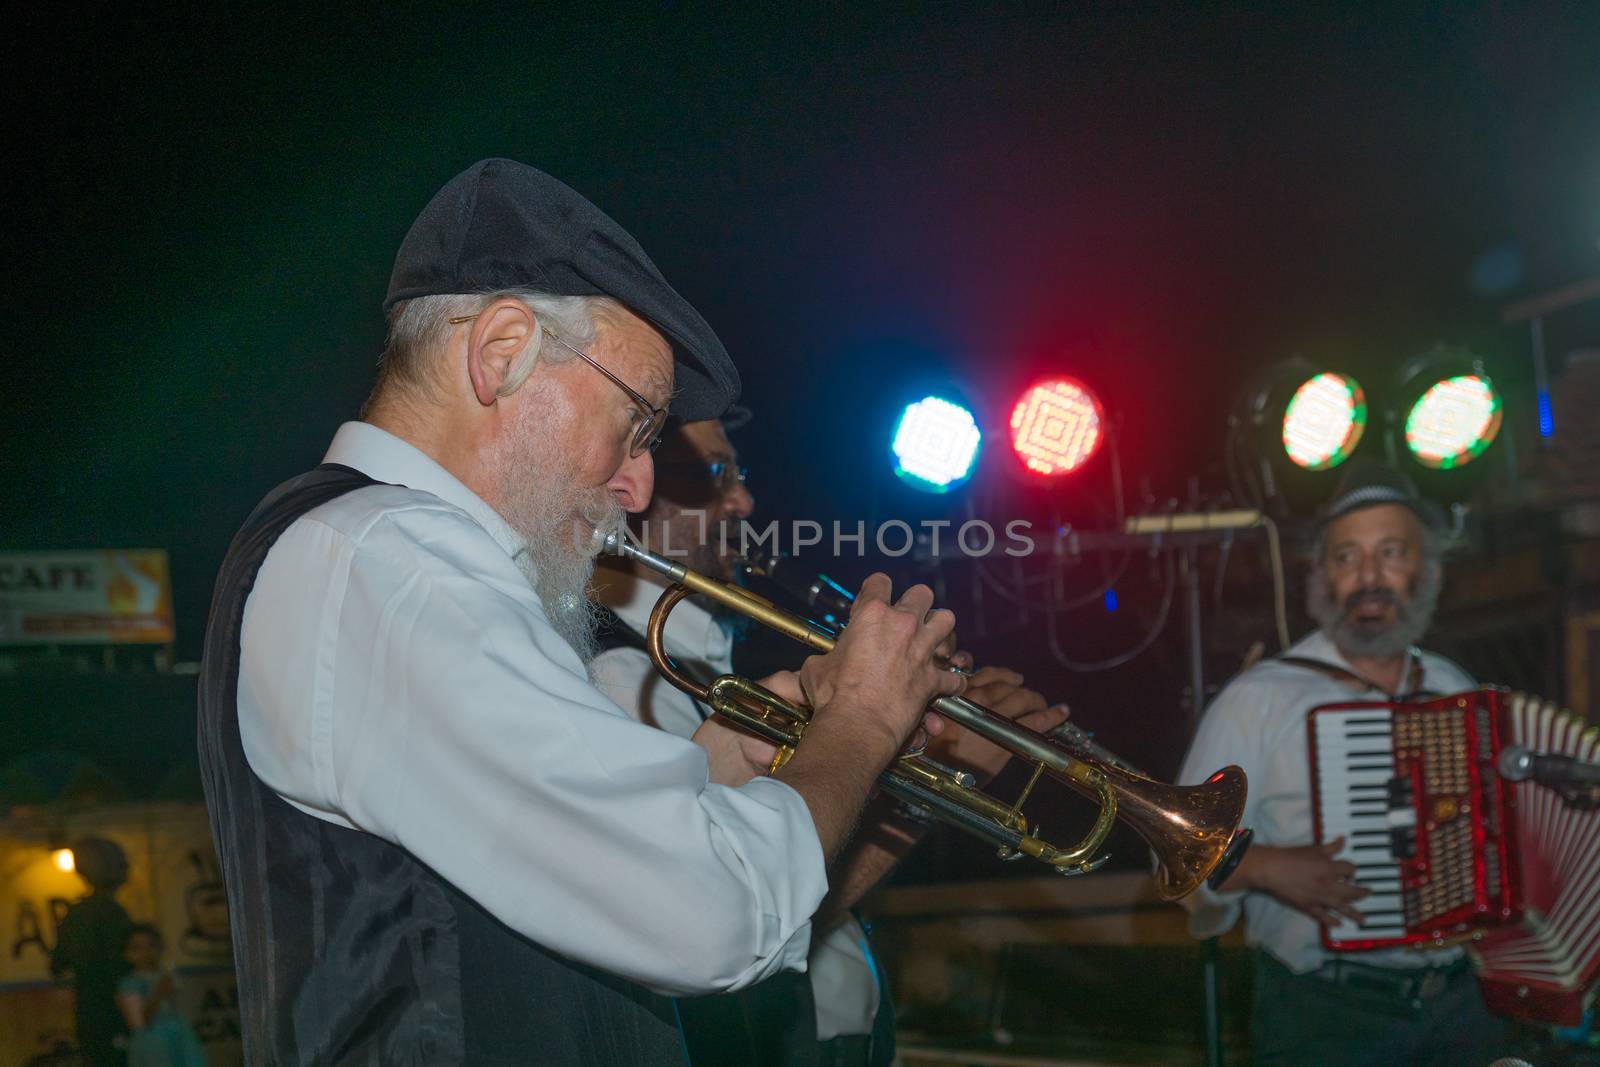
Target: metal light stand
{"points": [[1210, 976], [1184, 534]]}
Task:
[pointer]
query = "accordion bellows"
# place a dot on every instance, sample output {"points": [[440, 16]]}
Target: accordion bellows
{"points": [[1541, 968], [1453, 852]]}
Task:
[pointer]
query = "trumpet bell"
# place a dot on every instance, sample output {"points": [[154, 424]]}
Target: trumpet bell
{"points": [[1190, 829]]}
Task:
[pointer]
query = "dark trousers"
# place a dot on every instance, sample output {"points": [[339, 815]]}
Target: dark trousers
{"points": [[773, 1024], [1305, 1020]]}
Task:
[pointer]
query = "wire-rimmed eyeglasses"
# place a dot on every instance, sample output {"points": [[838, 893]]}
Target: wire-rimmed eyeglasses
{"points": [[647, 434], [724, 476]]}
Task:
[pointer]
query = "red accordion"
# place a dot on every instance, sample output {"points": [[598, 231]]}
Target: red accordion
{"points": [[1451, 851]]}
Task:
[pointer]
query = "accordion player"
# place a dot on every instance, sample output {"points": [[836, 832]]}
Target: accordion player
{"points": [[1443, 809]]}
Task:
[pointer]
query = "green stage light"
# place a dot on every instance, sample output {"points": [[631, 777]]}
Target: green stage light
{"points": [[1453, 421], [1324, 420]]}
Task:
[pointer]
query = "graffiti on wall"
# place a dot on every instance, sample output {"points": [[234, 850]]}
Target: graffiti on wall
{"points": [[174, 884]]}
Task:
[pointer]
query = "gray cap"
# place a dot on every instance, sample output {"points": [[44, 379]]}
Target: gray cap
{"points": [[501, 224], [1366, 483]]}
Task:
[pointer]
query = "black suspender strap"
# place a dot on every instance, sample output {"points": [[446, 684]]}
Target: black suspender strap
{"points": [[1413, 689], [611, 632]]}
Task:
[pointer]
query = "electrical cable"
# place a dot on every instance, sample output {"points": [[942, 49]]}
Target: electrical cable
{"points": [[1077, 601], [1019, 593], [1162, 615], [1280, 611], [1052, 578], [1224, 556]]}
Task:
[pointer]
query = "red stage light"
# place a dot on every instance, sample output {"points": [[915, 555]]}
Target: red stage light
{"points": [[1056, 426]]}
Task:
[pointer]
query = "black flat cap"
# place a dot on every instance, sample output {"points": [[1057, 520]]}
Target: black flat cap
{"points": [[1366, 483], [501, 224]]}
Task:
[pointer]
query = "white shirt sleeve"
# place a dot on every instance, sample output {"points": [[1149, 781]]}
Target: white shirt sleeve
{"points": [[627, 676], [403, 679], [1230, 732]]}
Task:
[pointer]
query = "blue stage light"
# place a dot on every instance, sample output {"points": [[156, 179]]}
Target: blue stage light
{"points": [[935, 445]]}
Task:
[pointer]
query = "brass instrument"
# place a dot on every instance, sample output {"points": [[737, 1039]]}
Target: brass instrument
{"points": [[820, 593], [1193, 830]]}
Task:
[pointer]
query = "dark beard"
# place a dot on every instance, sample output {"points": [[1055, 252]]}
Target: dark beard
{"points": [[1375, 640]]}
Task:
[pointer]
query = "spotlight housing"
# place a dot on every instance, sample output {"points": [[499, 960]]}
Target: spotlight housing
{"points": [[935, 445], [1324, 420], [1290, 427], [1447, 410], [1454, 422], [1057, 426]]}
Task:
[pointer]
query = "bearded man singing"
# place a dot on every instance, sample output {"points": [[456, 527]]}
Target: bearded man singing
{"points": [[1372, 587], [435, 832]]}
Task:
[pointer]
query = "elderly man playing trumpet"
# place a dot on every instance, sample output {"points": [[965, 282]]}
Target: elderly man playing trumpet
{"points": [[433, 827]]}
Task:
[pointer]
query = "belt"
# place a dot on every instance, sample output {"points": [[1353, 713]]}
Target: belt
{"points": [[1400, 983]]}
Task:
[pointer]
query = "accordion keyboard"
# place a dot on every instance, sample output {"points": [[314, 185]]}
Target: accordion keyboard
{"points": [[1356, 776], [1411, 790]]}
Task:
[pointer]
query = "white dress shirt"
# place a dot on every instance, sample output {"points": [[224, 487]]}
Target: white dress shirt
{"points": [[1259, 722], [399, 676], [843, 983]]}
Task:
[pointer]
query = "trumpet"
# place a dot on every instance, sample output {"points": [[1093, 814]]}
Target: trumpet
{"points": [[1192, 830], [820, 593]]}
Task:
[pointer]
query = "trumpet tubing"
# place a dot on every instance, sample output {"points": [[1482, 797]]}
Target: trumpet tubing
{"points": [[1193, 830]]}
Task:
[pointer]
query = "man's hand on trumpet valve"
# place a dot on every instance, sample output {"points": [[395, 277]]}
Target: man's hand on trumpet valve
{"points": [[868, 697], [1000, 690], [885, 663], [737, 756]]}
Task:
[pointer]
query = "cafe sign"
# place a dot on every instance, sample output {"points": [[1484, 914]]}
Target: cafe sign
{"points": [[98, 597]]}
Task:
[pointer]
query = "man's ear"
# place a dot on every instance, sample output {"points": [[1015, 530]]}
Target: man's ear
{"points": [[498, 335]]}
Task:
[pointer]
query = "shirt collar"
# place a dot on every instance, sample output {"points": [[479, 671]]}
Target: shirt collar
{"points": [[1319, 646], [381, 455], [693, 633]]}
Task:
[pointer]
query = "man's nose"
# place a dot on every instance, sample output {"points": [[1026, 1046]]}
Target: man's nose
{"points": [[1371, 569], [633, 483], [737, 503]]}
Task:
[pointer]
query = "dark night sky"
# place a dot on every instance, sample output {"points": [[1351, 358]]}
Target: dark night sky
{"points": [[1156, 200]]}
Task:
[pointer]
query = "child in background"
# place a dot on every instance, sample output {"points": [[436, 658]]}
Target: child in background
{"points": [[158, 1035]]}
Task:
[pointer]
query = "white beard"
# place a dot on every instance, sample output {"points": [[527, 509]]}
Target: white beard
{"points": [[539, 500], [559, 566], [1413, 616]]}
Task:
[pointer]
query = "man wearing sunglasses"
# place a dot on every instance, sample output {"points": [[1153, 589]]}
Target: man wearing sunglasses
{"points": [[432, 825], [838, 1014]]}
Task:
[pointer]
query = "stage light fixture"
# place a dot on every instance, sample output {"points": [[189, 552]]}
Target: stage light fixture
{"points": [[1057, 426], [1324, 420], [1291, 426], [1453, 421], [935, 445], [64, 860], [1443, 412]]}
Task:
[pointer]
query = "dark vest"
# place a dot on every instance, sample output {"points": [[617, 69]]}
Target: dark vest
{"points": [[348, 949]]}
